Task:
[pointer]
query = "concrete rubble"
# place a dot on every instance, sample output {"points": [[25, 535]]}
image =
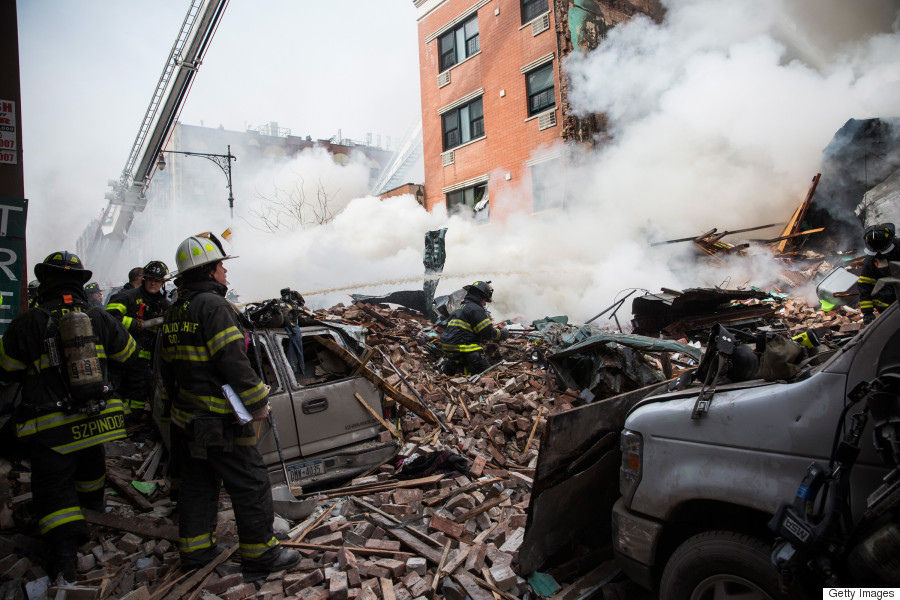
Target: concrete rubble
{"points": [[439, 534]]}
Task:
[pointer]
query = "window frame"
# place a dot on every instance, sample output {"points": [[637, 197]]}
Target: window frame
{"points": [[460, 41], [481, 216], [269, 366], [530, 94], [461, 115], [527, 6]]}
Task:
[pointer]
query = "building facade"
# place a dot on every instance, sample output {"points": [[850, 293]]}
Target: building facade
{"points": [[494, 106]]}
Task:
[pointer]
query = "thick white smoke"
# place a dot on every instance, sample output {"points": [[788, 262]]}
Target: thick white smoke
{"points": [[718, 119]]}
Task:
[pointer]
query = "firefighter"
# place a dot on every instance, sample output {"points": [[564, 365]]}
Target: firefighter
{"points": [[202, 352], [469, 325], [881, 249], [95, 296], [134, 307], [61, 423], [135, 277]]}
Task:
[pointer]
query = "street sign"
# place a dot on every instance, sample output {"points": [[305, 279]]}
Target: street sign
{"points": [[13, 216]]}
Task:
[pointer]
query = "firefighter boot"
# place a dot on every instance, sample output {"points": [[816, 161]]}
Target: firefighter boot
{"points": [[276, 559], [62, 560]]}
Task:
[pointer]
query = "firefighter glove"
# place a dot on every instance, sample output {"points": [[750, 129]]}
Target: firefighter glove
{"points": [[868, 318]]}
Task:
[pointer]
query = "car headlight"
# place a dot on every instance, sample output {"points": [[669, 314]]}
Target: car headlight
{"points": [[631, 444]]}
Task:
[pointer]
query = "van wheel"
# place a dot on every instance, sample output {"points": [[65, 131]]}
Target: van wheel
{"points": [[721, 565]]}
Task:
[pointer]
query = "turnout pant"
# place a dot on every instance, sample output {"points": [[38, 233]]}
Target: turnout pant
{"points": [[213, 453], [467, 363], [61, 484]]}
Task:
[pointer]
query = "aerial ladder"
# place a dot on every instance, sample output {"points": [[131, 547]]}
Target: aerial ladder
{"points": [[128, 195]]}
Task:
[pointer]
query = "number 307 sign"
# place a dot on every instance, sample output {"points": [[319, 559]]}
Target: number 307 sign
{"points": [[8, 137]]}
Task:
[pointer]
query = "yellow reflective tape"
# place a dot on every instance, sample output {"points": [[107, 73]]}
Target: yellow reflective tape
{"points": [[59, 419], [8, 362], [115, 306], [226, 336], [459, 323], [482, 325], [189, 353], [212, 404], [60, 517], [257, 550], [253, 394], [126, 352], [90, 486], [871, 280], [193, 544]]}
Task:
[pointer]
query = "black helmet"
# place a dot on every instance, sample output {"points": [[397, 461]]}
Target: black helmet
{"points": [[92, 288], [481, 288], [156, 269], [33, 288], [62, 263], [880, 238]]}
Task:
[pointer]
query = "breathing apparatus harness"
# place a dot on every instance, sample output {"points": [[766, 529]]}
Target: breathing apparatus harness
{"points": [[816, 530], [71, 346]]}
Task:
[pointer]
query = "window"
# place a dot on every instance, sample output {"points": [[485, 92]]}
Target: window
{"points": [[459, 43], [471, 200], [540, 89], [531, 9], [309, 360], [463, 124], [547, 186]]}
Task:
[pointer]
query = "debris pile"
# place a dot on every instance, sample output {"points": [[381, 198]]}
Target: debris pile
{"points": [[447, 516]]}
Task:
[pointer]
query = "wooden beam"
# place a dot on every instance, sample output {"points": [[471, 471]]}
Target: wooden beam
{"points": [[143, 527], [356, 549], [378, 417], [128, 492], [483, 507]]}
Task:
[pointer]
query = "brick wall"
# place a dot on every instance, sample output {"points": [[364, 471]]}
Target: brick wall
{"points": [[511, 137]]}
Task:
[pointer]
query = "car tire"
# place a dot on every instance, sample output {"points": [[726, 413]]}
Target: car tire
{"points": [[718, 565]]}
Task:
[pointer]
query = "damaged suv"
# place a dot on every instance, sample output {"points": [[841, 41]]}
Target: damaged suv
{"points": [[325, 434]]}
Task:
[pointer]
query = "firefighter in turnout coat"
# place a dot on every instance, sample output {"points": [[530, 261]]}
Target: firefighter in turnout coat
{"points": [[61, 425], [134, 307], [203, 350], [468, 327], [881, 249]]}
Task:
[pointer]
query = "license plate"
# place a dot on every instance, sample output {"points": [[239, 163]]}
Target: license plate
{"points": [[306, 470]]}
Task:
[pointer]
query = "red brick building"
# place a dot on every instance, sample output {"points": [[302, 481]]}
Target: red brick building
{"points": [[493, 97]]}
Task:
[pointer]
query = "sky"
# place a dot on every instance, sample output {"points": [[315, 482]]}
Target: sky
{"points": [[88, 71], [718, 118]]}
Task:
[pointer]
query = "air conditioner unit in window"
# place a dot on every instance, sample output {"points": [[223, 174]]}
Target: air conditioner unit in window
{"points": [[541, 24], [447, 158], [444, 79], [547, 120]]}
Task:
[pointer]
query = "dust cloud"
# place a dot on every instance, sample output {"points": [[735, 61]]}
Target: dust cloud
{"points": [[718, 118]]}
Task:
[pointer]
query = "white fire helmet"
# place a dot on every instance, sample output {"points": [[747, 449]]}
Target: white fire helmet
{"points": [[199, 250]]}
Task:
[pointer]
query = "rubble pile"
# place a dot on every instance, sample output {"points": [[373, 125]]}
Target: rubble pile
{"points": [[445, 518]]}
